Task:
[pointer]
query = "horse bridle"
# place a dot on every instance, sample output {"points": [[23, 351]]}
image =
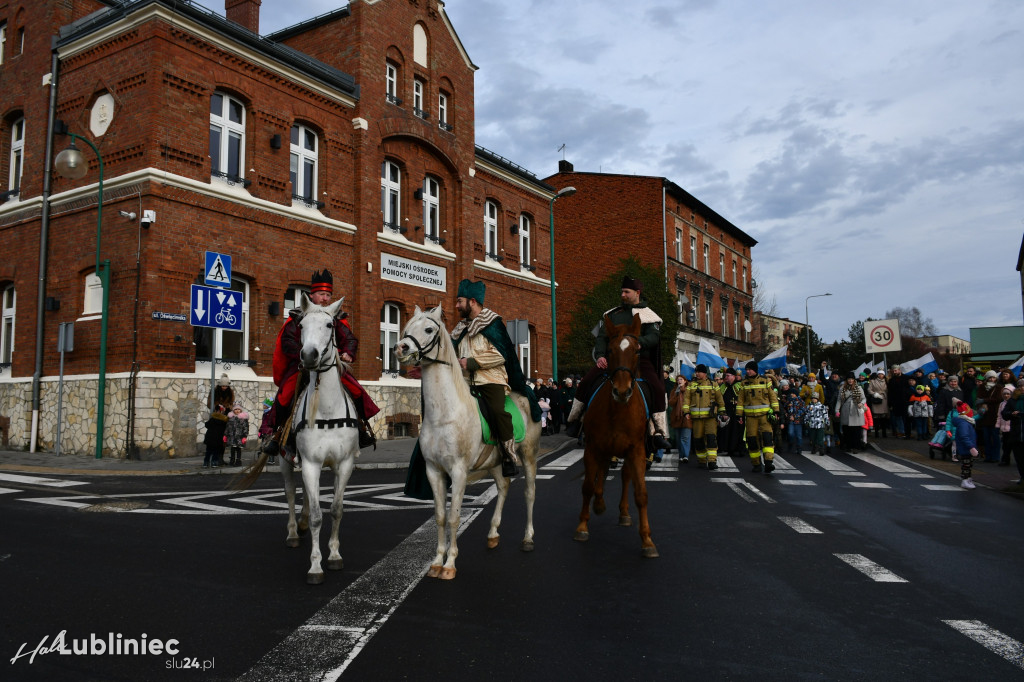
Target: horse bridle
{"points": [[322, 367], [623, 368], [421, 351]]}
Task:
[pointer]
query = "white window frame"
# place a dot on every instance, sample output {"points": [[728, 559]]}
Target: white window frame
{"points": [[525, 356], [679, 245], [734, 272], [3, 41], [725, 320], [17, 160], [8, 314], [721, 266], [707, 259], [693, 252], [432, 208], [707, 316], [232, 135], [304, 158], [736, 324], [418, 87], [746, 334], [92, 303], [744, 278], [389, 332], [391, 83], [442, 111], [695, 303], [524, 241], [391, 194], [293, 297], [490, 230]]}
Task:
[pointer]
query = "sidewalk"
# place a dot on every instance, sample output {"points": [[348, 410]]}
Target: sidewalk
{"points": [[990, 475], [390, 454]]}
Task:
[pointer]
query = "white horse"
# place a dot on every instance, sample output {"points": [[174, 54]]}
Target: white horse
{"points": [[326, 433], [451, 440]]}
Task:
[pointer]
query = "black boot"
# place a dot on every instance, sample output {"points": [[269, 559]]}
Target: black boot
{"points": [[661, 443], [366, 437], [572, 429]]}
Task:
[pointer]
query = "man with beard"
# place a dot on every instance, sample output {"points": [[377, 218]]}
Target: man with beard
{"points": [[488, 360]]}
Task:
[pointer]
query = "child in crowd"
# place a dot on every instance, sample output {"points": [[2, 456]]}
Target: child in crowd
{"points": [[214, 438], [237, 432], [794, 411], [817, 420], [869, 423], [920, 411], [966, 439]]}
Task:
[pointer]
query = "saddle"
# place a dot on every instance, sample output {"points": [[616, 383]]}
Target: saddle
{"points": [[518, 425]]}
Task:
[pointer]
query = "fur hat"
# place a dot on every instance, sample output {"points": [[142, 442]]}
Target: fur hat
{"points": [[475, 290], [991, 374], [1008, 387], [631, 283], [224, 381], [322, 281], [237, 406]]}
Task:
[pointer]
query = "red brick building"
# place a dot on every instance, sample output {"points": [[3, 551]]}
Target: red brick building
{"points": [[344, 142], [706, 259]]}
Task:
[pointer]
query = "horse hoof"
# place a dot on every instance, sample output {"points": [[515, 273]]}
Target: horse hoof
{"points": [[447, 573], [314, 578], [434, 572], [527, 546], [493, 542], [335, 564], [292, 542], [651, 552], [625, 520], [581, 536]]}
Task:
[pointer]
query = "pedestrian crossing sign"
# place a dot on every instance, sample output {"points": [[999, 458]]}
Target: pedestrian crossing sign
{"points": [[218, 269]]}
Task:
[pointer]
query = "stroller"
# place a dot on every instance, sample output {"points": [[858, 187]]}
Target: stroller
{"points": [[942, 444]]}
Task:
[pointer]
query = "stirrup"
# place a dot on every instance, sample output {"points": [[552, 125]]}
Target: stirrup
{"points": [[508, 467], [366, 437]]}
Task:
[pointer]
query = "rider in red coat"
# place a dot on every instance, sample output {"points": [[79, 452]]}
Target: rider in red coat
{"points": [[287, 365]]}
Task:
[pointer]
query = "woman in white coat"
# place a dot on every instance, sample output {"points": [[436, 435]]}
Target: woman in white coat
{"points": [[851, 414]]}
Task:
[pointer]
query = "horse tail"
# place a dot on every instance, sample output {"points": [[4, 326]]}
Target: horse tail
{"points": [[250, 474]]}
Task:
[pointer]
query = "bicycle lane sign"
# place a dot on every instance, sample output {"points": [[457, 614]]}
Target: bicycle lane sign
{"points": [[215, 307]]}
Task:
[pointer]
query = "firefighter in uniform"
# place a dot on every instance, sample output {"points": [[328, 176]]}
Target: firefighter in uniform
{"points": [[702, 402], [757, 407]]}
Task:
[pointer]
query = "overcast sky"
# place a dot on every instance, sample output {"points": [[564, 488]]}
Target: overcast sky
{"points": [[875, 149]]}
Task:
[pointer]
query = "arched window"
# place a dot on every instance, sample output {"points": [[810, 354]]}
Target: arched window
{"points": [[419, 45], [491, 230], [225, 344], [524, 241], [303, 164], [8, 305], [390, 325], [93, 300], [432, 208], [390, 194], [227, 137], [391, 83], [17, 155]]}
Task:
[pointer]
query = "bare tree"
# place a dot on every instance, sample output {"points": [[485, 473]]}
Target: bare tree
{"points": [[763, 302], [912, 322]]}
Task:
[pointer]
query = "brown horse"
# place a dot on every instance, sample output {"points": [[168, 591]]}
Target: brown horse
{"points": [[616, 425]]}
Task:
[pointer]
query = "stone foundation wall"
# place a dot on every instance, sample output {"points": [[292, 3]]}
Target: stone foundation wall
{"points": [[170, 413]]}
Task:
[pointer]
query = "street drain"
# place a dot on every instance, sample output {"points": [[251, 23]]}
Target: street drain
{"points": [[118, 506]]}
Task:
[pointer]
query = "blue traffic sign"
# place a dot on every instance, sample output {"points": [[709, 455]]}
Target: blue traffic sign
{"points": [[217, 270], [215, 307]]}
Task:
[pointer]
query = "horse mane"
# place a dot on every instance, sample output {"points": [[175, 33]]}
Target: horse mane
{"points": [[447, 354]]}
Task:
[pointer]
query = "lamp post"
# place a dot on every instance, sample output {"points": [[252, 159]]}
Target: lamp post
{"points": [[564, 192], [807, 327], [70, 163]]}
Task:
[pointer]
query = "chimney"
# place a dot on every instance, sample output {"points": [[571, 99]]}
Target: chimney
{"points": [[245, 13], [564, 166]]}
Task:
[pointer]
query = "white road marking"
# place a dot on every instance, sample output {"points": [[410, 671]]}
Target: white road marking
{"points": [[799, 525], [871, 569], [660, 479], [726, 464], [58, 501], [796, 481], [735, 484], [888, 465], [991, 639], [939, 486], [39, 480], [834, 466], [868, 484], [784, 467], [324, 647], [10, 490], [566, 460]]}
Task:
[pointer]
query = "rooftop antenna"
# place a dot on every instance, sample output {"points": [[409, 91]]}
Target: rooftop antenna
{"points": [[562, 149]]}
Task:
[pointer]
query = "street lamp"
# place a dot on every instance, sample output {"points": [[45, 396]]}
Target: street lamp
{"points": [[564, 192], [71, 164], [807, 328]]}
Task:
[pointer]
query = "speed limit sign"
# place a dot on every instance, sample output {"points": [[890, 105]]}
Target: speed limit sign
{"points": [[882, 336]]}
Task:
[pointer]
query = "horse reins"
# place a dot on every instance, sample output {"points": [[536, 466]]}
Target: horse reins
{"points": [[623, 368], [422, 351]]}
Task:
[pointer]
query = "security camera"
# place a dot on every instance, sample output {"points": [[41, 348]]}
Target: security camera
{"points": [[148, 218]]}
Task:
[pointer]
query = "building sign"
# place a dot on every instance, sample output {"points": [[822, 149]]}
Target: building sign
{"points": [[413, 272], [174, 317]]}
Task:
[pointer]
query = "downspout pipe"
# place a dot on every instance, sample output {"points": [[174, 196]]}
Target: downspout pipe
{"points": [[44, 233]]}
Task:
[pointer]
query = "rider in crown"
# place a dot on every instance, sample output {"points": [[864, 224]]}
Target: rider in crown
{"points": [[286, 373]]}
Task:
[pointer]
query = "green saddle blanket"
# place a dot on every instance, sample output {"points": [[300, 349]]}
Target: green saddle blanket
{"points": [[518, 426]]}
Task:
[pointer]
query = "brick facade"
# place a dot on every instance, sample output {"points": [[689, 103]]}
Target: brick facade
{"points": [[163, 63], [645, 215]]}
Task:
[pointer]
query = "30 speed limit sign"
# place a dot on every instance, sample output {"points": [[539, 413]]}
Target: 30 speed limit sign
{"points": [[882, 336]]}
